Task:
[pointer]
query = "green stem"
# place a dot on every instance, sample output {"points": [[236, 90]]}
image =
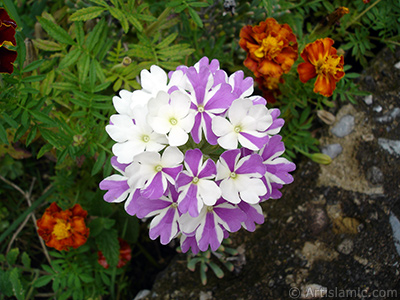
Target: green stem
{"points": [[363, 13], [385, 41]]}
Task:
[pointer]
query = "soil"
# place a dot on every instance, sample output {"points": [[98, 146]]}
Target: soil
{"points": [[329, 235]]}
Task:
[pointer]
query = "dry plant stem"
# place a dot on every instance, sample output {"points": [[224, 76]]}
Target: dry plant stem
{"points": [[27, 196]]}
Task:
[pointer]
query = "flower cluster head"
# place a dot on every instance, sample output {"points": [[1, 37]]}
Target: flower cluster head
{"points": [[271, 51], [62, 229], [197, 153], [7, 38], [125, 255], [321, 61]]}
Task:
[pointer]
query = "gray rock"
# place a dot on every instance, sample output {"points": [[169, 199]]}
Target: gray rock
{"points": [[395, 223], [390, 116], [377, 108], [344, 126], [332, 150], [391, 146], [142, 294], [374, 175], [368, 99]]}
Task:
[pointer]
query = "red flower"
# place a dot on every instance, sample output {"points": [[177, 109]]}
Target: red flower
{"points": [[270, 88], [125, 255], [62, 229], [321, 61], [271, 48], [7, 38]]}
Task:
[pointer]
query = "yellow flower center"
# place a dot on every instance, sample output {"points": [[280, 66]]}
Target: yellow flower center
{"points": [[328, 66], [173, 121], [269, 46], [158, 168], [62, 229]]}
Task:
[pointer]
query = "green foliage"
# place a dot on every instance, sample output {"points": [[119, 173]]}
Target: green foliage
{"points": [[74, 56]]}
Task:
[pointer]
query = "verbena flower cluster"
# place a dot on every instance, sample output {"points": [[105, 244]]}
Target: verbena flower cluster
{"points": [[197, 152]]}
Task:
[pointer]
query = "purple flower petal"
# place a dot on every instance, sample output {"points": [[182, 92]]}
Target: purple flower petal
{"points": [[118, 166], [211, 234], [156, 188], [231, 157], [131, 204], [183, 179], [253, 213], [208, 169], [115, 189], [164, 227], [251, 164], [172, 172], [188, 242], [233, 217], [259, 142], [193, 160], [221, 100], [211, 138], [190, 202]]}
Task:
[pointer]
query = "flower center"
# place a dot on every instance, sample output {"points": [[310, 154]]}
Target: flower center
{"points": [[237, 129], [158, 168], [328, 66], [269, 46], [200, 108], [210, 209], [195, 180], [62, 229], [145, 138], [233, 175], [174, 205], [173, 121]]}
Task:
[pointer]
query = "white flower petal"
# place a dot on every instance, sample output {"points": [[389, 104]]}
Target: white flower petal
{"points": [[177, 136], [171, 157], [238, 110], [229, 141], [229, 191], [209, 191]]}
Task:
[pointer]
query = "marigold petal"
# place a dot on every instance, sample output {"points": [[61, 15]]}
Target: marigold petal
{"points": [[325, 85], [306, 71], [269, 68], [77, 210]]}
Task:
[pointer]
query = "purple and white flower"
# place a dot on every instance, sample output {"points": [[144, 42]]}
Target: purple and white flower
{"points": [[194, 192], [195, 184]]}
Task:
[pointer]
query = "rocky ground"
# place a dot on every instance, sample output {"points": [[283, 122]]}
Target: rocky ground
{"points": [[336, 230]]}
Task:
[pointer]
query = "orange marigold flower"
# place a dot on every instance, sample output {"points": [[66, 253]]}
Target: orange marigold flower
{"points": [[125, 255], [62, 229], [271, 48], [7, 38], [321, 61], [335, 17]]}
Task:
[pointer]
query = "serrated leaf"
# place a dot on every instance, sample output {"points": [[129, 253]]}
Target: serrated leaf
{"points": [[86, 278], [42, 281], [120, 16], [99, 163], [166, 41], [70, 59], [46, 148], [134, 21], [195, 17], [99, 224], [100, 2], [87, 13], [16, 284], [52, 137], [41, 117], [80, 34], [199, 4], [108, 244], [12, 256], [32, 66], [141, 52], [94, 35], [83, 67], [34, 78], [47, 45], [26, 260], [105, 278], [55, 31]]}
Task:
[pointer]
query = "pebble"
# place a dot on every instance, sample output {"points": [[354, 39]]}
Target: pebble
{"points": [[374, 175], [370, 81], [344, 126], [395, 223], [390, 116], [142, 294], [346, 247], [313, 291], [368, 99], [391, 146], [377, 108], [332, 150], [397, 65]]}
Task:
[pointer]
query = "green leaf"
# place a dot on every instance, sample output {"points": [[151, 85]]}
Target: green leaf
{"points": [[55, 31], [12, 256], [3, 135], [70, 58], [99, 163], [119, 15], [32, 66], [12, 11], [108, 244], [16, 284], [83, 67], [100, 2], [47, 45], [34, 78], [195, 17], [94, 35], [26, 261], [191, 265], [52, 137], [199, 4], [166, 41], [42, 281], [86, 278], [41, 117], [105, 279], [217, 270], [99, 224], [87, 13], [141, 52], [134, 21], [5, 286]]}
